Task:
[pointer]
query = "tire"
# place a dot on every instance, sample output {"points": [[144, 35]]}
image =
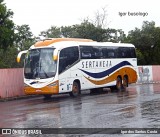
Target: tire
{"points": [[119, 84], [47, 96], [125, 82], [75, 89]]}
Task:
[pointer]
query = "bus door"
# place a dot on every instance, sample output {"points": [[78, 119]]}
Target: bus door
{"points": [[68, 59]]}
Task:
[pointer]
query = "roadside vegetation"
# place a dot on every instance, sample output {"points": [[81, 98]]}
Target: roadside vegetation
{"points": [[14, 38]]}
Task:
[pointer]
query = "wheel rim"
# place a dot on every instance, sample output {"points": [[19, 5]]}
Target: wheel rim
{"points": [[75, 89]]}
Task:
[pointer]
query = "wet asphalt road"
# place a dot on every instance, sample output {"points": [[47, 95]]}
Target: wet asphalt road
{"points": [[137, 107]]}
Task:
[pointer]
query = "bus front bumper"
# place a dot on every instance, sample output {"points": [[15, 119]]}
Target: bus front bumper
{"points": [[41, 91]]}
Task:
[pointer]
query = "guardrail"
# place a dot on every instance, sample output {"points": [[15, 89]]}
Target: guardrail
{"points": [[11, 80]]}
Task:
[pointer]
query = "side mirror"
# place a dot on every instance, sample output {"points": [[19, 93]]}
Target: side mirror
{"points": [[20, 54], [55, 55]]}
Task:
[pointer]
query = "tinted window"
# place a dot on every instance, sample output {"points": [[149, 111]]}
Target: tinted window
{"points": [[98, 52], [91, 52], [68, 56], [109, 52], [126, 52], [132, 52], [87, 52]]}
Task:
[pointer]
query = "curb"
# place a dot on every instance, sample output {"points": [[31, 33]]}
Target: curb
{"points": [[33, 96], [18, 98], [150, 82]]}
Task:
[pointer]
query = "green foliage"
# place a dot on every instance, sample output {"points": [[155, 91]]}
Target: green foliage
{"points": [[147, 42], [6, 27], [8, 58], [23, 37], [16, 38], [53, 32], [85, 30], [88, 31]]}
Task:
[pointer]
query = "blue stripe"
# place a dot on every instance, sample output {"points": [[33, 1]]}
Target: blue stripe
{"points": [[107, 72]]}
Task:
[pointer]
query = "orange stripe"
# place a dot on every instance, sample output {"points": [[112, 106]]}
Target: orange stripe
{"points": [[44, 90], [132, 76], [54, 40]]}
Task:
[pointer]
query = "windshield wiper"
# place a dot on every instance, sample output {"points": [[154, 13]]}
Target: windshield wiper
{"points": [[36, 71], [43, 70]]}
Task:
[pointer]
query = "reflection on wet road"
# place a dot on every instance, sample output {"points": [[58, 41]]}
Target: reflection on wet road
{"points": [[139, 106]]}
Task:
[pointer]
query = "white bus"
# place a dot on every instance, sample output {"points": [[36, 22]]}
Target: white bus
{"points": [[70, 65]]}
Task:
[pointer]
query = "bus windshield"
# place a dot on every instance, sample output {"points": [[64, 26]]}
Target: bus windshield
{"points": [[39, 64]]}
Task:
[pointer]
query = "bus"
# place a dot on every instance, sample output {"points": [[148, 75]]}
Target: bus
{"points": [[71, 65]]}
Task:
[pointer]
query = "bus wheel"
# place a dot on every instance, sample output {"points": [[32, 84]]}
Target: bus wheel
{"points": [[119, 84], [125, 82], [75, 90], [47, 96]]}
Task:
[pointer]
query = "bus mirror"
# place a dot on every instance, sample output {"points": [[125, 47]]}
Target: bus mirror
{"points": [[55, 57], [20, 54]]}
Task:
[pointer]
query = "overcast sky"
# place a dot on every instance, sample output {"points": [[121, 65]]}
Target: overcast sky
{"points": [[40, 15]]}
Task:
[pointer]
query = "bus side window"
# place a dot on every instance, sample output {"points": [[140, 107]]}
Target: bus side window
{"points": [[132, 53], [122, 52], [68, 56], [97, 52], [87, 52], [105, 53], [126, 52], [109, 52], [62, 60]]}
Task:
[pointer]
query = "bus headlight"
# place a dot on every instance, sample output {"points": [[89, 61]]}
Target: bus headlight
{"points": [[54, 84], [25, 85]]}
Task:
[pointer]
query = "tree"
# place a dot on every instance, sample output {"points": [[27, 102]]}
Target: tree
{"points": [[23, 37], [113, 35], [8, 58], [6, 27], [147, 42], [69, 31], [53, 32], [100, 19], [88, 31]]}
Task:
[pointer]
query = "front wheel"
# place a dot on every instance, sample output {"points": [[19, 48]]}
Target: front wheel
{"points": [[75, 89]]}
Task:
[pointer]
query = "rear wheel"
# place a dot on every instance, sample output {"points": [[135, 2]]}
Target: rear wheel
{"points": [[119, 83], [125, 82], [75, 89]]}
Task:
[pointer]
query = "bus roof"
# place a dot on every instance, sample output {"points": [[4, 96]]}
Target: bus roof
{"points": [[67, 42], [47, 42]]}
